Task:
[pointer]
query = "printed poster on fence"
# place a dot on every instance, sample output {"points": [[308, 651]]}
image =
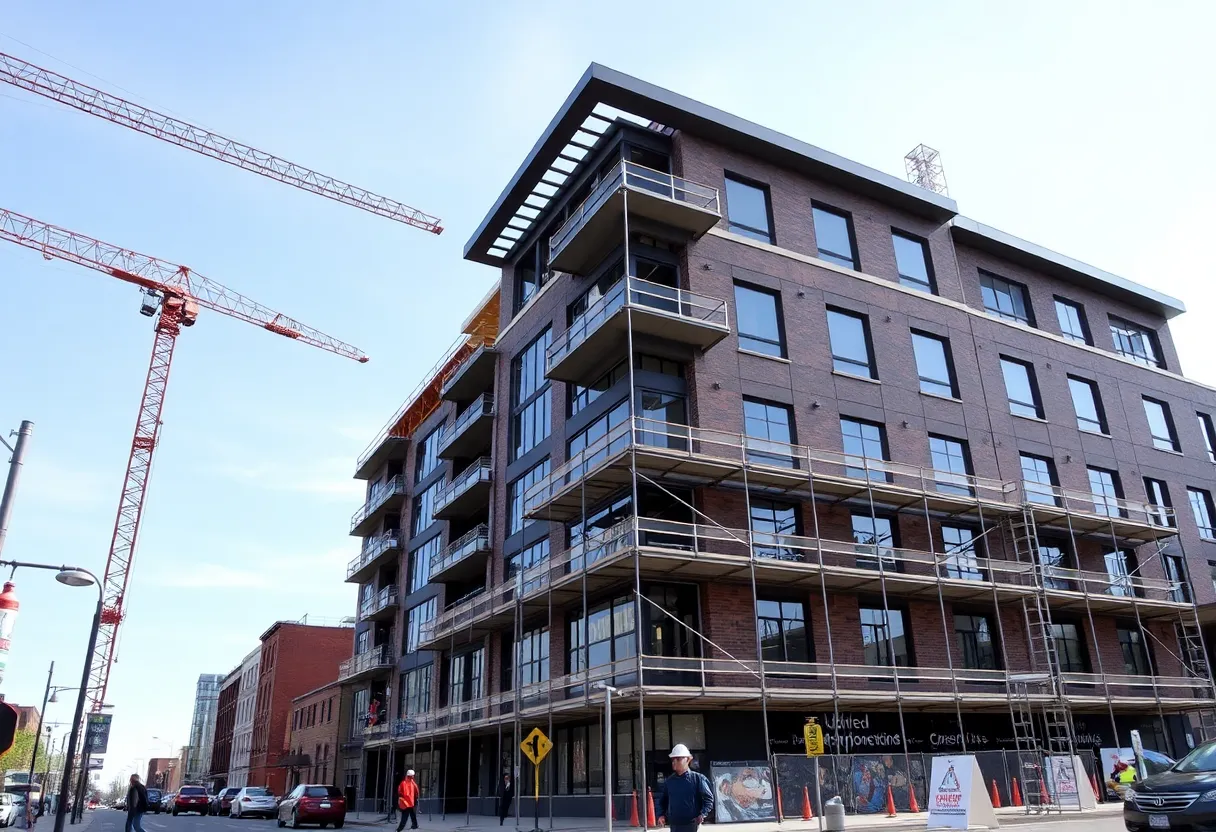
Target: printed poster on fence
{"points": [[743, 792], [1108, 758], [956, 795], [1063, 783]]}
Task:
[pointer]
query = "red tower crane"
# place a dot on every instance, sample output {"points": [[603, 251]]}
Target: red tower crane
{"points": [[173, 294], [56, 87]]}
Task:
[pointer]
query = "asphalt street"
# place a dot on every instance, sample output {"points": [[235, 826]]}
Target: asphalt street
{"points": [[109, 820]]}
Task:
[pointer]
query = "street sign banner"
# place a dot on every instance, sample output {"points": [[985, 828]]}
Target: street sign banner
{"points": [[957, 798], [536, 746], [812, 735], [97, 733]]}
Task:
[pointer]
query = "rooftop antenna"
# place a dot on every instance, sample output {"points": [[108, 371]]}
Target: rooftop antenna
{"points": [[924, 168]]}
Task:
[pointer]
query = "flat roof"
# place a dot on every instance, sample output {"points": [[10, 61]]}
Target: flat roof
{"points": [[986, 238]]}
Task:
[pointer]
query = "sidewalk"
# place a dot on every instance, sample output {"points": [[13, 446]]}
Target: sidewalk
{"points": [[853, 823]]}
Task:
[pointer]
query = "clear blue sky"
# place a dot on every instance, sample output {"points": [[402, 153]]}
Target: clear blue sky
{"points": [[1085, 127]]}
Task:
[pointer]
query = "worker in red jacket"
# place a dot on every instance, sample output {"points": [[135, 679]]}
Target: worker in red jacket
{"points": [[407, 800]]}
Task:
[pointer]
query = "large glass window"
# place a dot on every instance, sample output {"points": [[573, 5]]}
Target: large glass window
{"points": [[884, 638], [1039, 480], [416, 691], [1209, 435], [1005, 299], [1175, 573], [1021, 388], [1120, 566], [1107, 491], [973, 633], [758, 318], [421, 515], [960, 553], [660, 411], [768, 521], [415, 618], [466, 677], [1161, 425], [593, 441], [770, 432], [515, 495], [579, 397], [426, 456], [783, 631], [851, 350], [604, 636], [934, 365], [1201, 508], [526, 558], [1136, 661], [748, 210], [834, 236], [951, 461], [1135, 342], [1054, 558], [877, 534], [913, 263], [1087, 403], [531, 657], [865, 445], [420, 562], [1158, 494], [1071, 317], [530, 417], [1070, 648]]}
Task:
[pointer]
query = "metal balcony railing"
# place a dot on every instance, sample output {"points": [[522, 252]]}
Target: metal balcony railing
{"points": [[641, 294], [634, 177], [392, 487], [386, 597], [479, 471], [456, 372], [475, 540], [374, 659], [483, 405], [373, 547]]}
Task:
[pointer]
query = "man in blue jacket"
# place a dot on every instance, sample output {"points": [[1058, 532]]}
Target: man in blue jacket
{"points": [[687, 797]]}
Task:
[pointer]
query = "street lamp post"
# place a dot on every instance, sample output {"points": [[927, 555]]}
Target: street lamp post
{"points": [[609, 782], [72, 576]]}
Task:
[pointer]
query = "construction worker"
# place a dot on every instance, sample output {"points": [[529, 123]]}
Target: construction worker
{"points": [[687, 797], [407, 800], [1121, 777]]}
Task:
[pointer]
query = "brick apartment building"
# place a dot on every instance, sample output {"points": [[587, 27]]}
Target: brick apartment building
{"points": [[225, 723], [160, 773], [320, 720], [294, 659], [924, 481]]}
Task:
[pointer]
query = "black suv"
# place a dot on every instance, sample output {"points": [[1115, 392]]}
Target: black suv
{"points": [[154, 798], [1184, 797]]}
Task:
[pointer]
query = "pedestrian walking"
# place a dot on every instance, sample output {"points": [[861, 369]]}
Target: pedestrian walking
{"points": [[407, 800], [506, 793], [687, 797], [137, 804]]}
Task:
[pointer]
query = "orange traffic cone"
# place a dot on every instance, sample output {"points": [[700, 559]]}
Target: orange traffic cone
{"points": [[1016, 795], [650, 821], [913, 806], [1093, 782], [633, 812], [1044, 795], [996, 795], [612, 808], [890, 803], [780, 808], [807, 811]]}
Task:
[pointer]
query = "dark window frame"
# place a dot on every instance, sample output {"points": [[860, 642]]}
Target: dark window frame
{"points": [[853, 261], [1107, 504], [1006, 288], [1123, 334], [1208, 430], [538, 398], [910, 281], [1099, 425], [951, 382], [808, 644], [1133, 665], [1203, 511], [756, 342], [886, 613], [426, 454], [1060, 635], [1051, 485], [948, 484], [516, 521], [1032, 381], [1160, 498], [751, 232], [1169, 442], [850, 365], [873, 471], [976, 649], [1083, 336], [779, 451]]}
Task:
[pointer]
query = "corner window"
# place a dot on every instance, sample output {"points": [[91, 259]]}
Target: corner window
{"points": [[913, 263], [748, 209], [758, 318], [1005, 299], [783, 631], [1161, 425], [976, 643], [1159, 505], [1021, 388], [934, 365], [1107, 492], [834, 236], [1136, 342], [1201, 508], [849, 333], [530, 417], [1039, 480], [884, 638], [1071, 317], [1209, 435], [1088, 404]]}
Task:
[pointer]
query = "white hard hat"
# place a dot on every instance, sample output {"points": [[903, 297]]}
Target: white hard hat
{"points": [[681, 750], [409, 772]]}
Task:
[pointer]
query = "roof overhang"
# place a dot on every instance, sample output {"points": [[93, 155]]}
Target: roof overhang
{"points": [[602, 95], [1008, 247]]}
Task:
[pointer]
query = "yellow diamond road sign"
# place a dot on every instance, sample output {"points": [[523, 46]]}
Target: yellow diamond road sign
{"points": [[536, 746]]}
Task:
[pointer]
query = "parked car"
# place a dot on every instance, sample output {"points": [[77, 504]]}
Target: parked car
{"points": [[253, 801], [191, 799], [8, 810], [221, 803], [1182, 797], [322, 805], [154, 798], [166, 801]]}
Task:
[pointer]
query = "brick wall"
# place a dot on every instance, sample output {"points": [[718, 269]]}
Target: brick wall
{"points": [[314, 729], [225, 721]]}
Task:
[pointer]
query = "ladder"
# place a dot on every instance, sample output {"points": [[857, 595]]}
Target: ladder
{"points": [[1195, 663]]}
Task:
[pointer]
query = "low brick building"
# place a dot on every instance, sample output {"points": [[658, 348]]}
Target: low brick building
{"points": [[225, 720], [160, 772], [319, 721], [296, 658]]}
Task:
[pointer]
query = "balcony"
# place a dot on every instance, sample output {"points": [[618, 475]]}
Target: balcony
{"points": [[385, 449], [382, 605], [374, 662], [466, 495], [474, 616], [374, 555], [379, 502], [658, 311], [598, 224], [472, 431], [463, 558], [472, 377]]}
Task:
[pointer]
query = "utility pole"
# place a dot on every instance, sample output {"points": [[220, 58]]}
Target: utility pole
{"points": [[14, 473]]}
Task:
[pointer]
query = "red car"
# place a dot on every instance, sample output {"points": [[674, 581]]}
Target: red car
{"points": [[322, 805], [191, 799]]}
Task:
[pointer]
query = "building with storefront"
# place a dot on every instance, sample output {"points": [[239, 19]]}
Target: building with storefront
{"points": [[938, 487]]}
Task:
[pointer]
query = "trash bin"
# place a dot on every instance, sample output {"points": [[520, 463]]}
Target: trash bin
{"points": [[833, 815]]}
